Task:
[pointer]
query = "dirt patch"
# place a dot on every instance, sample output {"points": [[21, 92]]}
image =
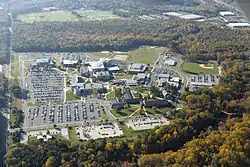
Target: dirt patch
{"points": [[205, 66], [120, 57], [105, 52]]}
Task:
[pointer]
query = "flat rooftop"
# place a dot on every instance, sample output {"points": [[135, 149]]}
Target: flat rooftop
{"points": [[191, 16], [232, 25], [223, 13], [99, 131], [66, 62], [173, 14]]}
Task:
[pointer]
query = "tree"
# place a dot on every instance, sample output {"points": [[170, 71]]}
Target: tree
{"points": [[54, 125], [51, 162], [140, 110]]}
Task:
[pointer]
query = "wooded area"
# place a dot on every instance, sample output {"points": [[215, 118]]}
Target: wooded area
{"points": [[197, 42]]}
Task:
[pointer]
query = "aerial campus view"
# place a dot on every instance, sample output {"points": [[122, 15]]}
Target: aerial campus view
{"points": [[124, 83]]}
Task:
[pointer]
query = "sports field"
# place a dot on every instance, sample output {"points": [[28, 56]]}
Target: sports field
{"points": [[196, 68], [97, 15], [67, 16], [48, 16], [147, 55]]}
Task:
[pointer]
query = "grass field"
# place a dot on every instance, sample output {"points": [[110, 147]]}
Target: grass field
{"points": [[125, 112], [127, 76], [68, 16], [129, 132], [70, 96], [110, 95], [48, 16], [196, 69], [147, 55], [158, 110], [72, 135], [97, 14], [15, 66]]}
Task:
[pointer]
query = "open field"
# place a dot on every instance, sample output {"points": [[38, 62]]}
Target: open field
{"points": [[72, 135], [125, 112], [97, 15], [110, 95], [15, 66], [147, 55], [129, 132], [196, 68], [70, 96], [68, 16], [48, 16]]}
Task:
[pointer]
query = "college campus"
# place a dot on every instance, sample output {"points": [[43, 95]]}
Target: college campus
{"points": [[87, 94], [128, 83]]}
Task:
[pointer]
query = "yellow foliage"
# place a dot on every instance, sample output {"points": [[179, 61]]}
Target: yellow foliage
{"points": [[158, 131], [175, 133], [109, 146]]}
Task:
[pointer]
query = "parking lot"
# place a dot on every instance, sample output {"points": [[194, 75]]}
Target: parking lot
{"points": [[65, 55], [98, 131], [163, 71], [63, 113], [46, 86]]}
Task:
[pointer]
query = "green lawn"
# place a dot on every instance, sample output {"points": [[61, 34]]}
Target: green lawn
{"points": [[15, 66], [70, 96], [48, 16], [126, 76], [97, 14], [147, 55], [72, 134], [136, 90], [196, 69], [129, 132], [125, 112], [158, 110], [12, 120], [110, 95]]}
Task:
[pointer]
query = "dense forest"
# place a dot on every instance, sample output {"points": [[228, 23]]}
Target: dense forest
{"points": [[197, 41], [228, 146], [211, 130], [3, 37], [94, 35]]}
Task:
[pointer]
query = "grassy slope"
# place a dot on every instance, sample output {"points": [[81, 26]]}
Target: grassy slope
{"points": [[125, 112], [15, 66], [145, 55], [72, 135], [98, 54], [70, 96], [195, 68]]}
